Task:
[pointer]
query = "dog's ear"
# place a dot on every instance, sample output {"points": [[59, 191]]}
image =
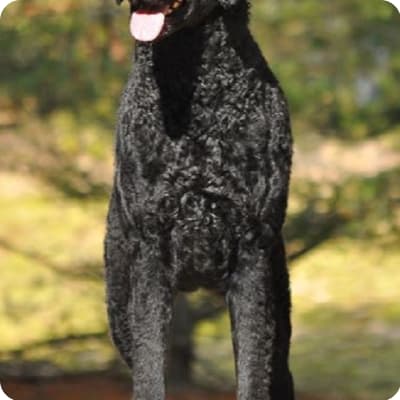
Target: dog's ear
{"points": [[119, 1]]}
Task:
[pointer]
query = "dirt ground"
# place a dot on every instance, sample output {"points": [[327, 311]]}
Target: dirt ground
{"points": [[95, 388]]}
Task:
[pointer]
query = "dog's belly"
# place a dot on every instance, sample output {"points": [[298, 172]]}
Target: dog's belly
{"points": [[203, 236]]}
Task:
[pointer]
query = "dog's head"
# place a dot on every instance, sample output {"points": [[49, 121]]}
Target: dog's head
{"points": [[154, 19]]}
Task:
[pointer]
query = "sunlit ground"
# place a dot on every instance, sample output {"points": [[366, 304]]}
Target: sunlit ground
{"points": [[346, 315]]}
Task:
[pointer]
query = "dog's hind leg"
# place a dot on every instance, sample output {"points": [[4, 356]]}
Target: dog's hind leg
{"points": [[282, 381], [259, 327]]}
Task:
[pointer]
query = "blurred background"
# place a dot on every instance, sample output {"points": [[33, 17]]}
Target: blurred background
{"points": [[62, 67]]}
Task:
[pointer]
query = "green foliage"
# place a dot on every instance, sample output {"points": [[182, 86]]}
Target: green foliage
{"points": [[62, 58], [338, 62]]}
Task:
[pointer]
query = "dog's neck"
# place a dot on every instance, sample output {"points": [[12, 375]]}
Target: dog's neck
{"points": [[189, 48], [209, 58]]}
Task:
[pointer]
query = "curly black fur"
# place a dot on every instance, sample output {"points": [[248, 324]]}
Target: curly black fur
{"points": [[203, 155]]}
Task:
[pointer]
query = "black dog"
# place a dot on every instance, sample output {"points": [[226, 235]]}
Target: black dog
{"points": [[203, 155]]}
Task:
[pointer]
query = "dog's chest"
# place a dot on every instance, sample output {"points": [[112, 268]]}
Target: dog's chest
{"points": [[196, 160], [221, 149], [221, 152]]}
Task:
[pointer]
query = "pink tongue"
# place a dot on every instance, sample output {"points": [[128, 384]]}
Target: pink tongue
{"points": [[146, 26]]}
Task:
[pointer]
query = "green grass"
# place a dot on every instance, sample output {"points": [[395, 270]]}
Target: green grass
{"points": [[346, 324], [346, 315], [51, 267], [346, 319]]}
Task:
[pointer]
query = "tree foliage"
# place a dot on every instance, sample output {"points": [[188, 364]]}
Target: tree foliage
{"points": [[338, 60]]}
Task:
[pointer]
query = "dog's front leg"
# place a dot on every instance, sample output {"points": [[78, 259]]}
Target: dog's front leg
{"points": [[150, 316], [260, 329], [119, 252]]}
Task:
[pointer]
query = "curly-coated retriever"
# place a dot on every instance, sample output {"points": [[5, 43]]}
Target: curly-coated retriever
{"points": [[203, 156]]}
